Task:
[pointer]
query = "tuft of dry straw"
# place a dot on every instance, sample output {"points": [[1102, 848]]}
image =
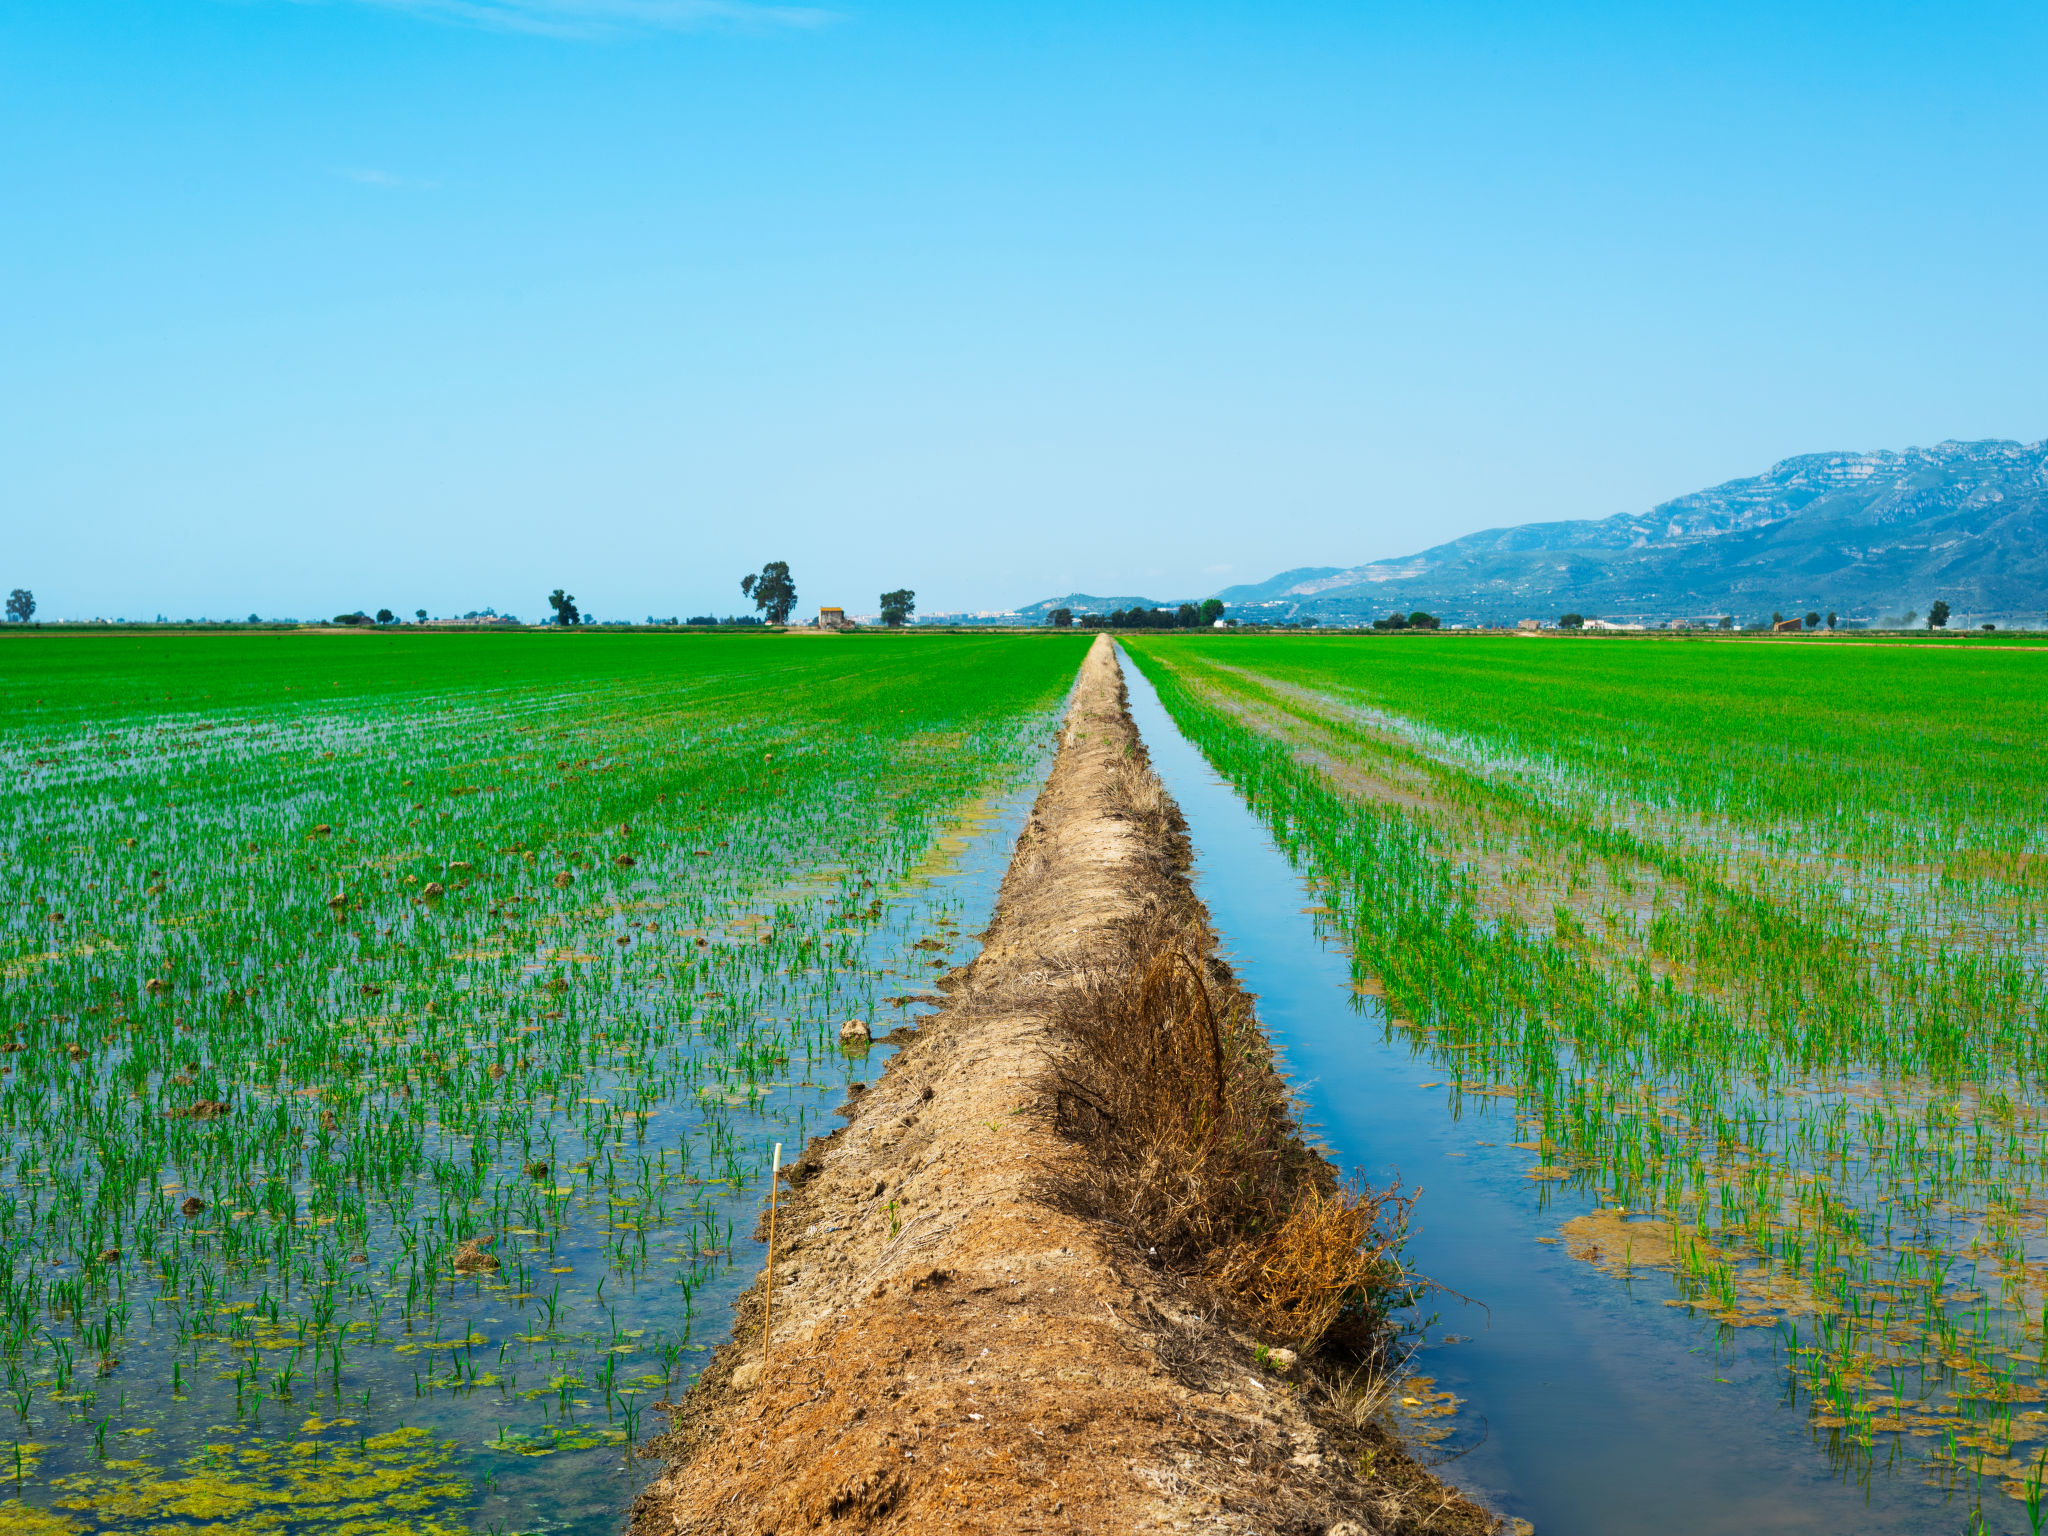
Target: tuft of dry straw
{"points": [[1334, 1260], [1196, 1154]]}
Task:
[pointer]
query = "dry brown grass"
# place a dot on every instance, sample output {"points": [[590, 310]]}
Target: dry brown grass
{"points": [[1332, 1270], [1167, 1088], [1196, 1154]]}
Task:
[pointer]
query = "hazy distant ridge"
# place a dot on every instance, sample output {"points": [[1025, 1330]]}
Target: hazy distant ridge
{"points": [[1083, 602], [1866, 534]]}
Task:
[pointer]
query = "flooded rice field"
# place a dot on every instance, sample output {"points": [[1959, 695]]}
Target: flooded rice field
{"points": [[396, 1038], [1733, 1198], [395, 1045]]}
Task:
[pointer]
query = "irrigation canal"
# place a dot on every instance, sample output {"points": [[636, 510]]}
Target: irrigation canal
{"points": [[1585, 1405]]}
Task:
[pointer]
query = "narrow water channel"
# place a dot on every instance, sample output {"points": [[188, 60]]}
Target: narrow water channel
{"points": [[1588, 1407]]}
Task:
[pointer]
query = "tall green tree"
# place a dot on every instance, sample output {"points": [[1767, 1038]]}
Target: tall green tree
{"points": [[773, 591], [898, 606], [1937, 616], [21, 605], [1212, 609], [564, 606]]}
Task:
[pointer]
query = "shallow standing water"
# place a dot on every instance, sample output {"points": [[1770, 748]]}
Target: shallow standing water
{"points": [[504, 1438], [1588, 1408], [958, 882]]}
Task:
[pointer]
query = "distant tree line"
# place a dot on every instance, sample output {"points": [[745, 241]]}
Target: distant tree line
{"points": [[1200, 615], [773, 590]]}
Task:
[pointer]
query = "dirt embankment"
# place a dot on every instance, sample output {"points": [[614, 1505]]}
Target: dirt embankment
{"points": [[953, 1347]]}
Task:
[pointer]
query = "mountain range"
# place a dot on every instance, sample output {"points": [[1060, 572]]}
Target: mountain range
{"points": [[1868, 535]]}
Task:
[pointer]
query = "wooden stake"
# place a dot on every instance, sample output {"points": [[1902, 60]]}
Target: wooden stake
{"points": [[768, 1286]]}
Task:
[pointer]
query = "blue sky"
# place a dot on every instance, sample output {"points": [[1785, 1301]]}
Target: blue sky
{"points": [[444, 303]]}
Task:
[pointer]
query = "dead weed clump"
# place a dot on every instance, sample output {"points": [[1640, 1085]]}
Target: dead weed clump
{"points": [[1331, 1272], [1196, 1153]]}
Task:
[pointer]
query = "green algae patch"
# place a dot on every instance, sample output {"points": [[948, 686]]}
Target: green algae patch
{"points": [[19, 1519], [549, 1439], [400, 1483]]}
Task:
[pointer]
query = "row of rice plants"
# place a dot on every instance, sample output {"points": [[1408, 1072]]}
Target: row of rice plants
{"points": [[1759, 972], [390, 1065]]}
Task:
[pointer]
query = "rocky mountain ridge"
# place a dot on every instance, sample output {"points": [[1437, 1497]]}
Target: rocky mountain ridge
{"points": [[1868, 535], [1865, 534]]}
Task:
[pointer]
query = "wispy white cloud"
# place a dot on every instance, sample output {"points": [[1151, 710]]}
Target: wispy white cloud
{"points": [[368, 176], [603, 18]]}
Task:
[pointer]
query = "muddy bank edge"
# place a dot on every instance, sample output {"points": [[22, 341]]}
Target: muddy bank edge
{"points": [[950, 1350]]}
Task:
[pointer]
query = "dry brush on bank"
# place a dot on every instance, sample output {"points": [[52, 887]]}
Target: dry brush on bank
{"points": [[1193, 1149]]}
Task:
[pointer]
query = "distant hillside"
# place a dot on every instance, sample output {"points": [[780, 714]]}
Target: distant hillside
{"points": [[1870, 535], [1082, 602]]}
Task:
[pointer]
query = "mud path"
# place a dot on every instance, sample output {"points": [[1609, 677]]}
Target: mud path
{"points": [[951, 1349]]}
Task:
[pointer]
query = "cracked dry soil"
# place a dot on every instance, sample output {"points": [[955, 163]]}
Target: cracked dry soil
{"points": [[953, 1351]]}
